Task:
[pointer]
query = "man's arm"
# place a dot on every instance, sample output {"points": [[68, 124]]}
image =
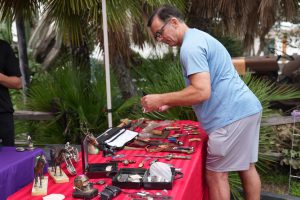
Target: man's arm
{"points": [[11, 82], [199, 90]]}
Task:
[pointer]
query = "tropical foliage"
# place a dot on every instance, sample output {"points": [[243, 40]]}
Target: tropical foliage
{"points": [[246, 19], [287, 137], [64, 92], [5, 31]]}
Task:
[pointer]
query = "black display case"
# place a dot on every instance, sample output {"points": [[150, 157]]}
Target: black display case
{"points": [[135, 178], [129, 178], [96, 170]]}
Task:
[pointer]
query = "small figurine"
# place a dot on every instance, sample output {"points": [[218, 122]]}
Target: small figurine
{"points": [[83, 188], [93, 146], [74, 155], [58, 156], [39, 169], [57, 159], [40, 184], [30, 143]]}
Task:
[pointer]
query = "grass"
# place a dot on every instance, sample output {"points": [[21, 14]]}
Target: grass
{"points": [[277, 181], [295, 187]]}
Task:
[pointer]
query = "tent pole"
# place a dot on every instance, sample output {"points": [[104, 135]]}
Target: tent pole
{"points": [[106, 60]]}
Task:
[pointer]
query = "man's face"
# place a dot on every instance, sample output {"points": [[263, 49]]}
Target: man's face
{"points": [[164, 31]]}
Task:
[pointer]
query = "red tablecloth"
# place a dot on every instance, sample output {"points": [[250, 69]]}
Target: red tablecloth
{"points": [[191, 186]]}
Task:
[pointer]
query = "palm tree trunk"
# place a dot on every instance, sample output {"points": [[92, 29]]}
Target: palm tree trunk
{"points": [[81, 52], [22, 48], [124, 79], [81, 57], [201, 23], [195, 20]]}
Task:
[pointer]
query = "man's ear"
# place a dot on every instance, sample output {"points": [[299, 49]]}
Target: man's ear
{"points": [[174, 21]]}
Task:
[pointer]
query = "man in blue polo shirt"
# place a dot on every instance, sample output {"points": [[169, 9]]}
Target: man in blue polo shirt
{"points": [[227, 109]]}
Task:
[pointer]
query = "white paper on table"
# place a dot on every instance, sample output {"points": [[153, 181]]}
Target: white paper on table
{"points": [[121, 140], [54, 197]]}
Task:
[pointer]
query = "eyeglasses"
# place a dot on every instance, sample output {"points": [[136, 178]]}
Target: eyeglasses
{"points": [[159, 33]]}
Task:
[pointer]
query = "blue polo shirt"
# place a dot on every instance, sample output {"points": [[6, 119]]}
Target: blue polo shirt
{"points": [[230, 99]]}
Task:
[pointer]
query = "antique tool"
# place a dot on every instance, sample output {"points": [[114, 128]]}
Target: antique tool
{"points": [[174, 140], [146, 132], [100, 182], [136, 124], [195, 139], [125, 162], [147, 141], [170, 148], [171, 128], [133, 148], [153, 161], [142, 163], [189, 127], [157, 132], [125, 122], [118, 156], [185, 134], [167, 157], [183, 149]]}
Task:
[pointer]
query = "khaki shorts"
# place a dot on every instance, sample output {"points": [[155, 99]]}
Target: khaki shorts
{"points": [[235, 146]]}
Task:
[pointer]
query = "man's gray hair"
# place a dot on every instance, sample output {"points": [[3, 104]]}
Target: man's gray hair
{"points": [[164, 13]]}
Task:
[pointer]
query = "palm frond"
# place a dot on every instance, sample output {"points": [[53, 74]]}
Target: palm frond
{"points": [[246, 19], [64, 91], [9, 9], [6, 31], [235, 186]]}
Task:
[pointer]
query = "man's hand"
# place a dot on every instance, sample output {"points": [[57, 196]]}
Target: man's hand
{"points": [[152, 102], [163, 108], [11, 82]]}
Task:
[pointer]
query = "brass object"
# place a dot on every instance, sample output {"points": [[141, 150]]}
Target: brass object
{"points": [[195, 139], [157, 132], [170, 128], [143, 162], [83, 188]]}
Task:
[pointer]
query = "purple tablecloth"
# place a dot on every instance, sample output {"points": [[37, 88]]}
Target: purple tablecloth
{"points": [[16, 169]]}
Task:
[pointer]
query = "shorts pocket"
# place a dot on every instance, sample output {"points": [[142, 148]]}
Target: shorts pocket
{"points": [[217, 143]]}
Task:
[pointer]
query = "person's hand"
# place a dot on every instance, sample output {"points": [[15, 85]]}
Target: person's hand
{"points": [[1, 76], [163, 108], [151, 102]]}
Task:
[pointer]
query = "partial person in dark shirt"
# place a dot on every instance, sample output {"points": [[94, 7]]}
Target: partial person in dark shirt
{"points": [[9, 79]]}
